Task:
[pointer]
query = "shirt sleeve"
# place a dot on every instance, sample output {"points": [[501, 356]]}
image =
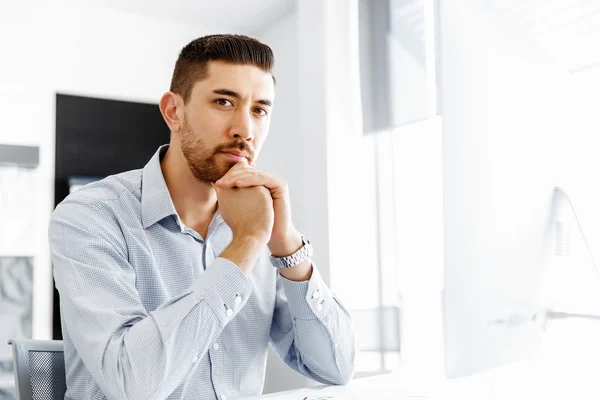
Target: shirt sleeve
{"points": [[132, 353], [312, 331]]}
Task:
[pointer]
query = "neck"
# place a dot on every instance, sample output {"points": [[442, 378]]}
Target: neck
{"points": [[194, 201]]}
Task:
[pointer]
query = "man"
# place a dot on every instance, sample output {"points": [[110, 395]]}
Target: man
{"points": [[174, 279]]}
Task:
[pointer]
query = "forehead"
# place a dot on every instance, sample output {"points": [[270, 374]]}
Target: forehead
{"points": [[247, 80]]}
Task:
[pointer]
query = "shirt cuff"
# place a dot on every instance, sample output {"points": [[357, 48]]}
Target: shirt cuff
{"points": [[225, 288], [308, 299]]}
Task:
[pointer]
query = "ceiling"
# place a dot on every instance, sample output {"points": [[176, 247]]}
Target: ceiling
{"points": [[237, 16]]}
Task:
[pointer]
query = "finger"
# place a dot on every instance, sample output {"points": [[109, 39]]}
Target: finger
{"points": [[261, 179], [218, 190], [231, 176], [253, 178], [240, 166], [249, 181]]}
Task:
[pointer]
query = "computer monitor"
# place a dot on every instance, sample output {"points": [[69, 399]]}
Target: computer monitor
{"points": [[506, 121]]}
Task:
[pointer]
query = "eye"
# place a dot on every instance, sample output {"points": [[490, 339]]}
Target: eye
{"points": [[224, 102], [260, 111]]}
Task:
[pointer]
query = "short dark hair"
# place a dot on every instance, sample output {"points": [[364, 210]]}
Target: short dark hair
{"points": [[192, 63]]}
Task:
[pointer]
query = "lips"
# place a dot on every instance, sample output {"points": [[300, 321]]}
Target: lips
{"points": [[236, 153], [236, 156]]}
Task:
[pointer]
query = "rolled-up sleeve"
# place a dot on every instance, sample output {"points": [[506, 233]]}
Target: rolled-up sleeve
{"points": [[312, 331], [132, 353]]}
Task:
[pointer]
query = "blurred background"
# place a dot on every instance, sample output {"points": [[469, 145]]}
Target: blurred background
{"points": [[422, 141]]}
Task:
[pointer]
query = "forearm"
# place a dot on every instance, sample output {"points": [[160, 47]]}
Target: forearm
{"points": [[150, 359], [324, 346], [327, 347]]}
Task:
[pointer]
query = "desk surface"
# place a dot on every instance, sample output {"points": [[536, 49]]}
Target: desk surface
{"points": [[520, 381], [551, 378], [388, 386]]}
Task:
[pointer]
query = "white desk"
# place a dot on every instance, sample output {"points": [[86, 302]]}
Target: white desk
{"points": [[388, 387], [521, 381]]}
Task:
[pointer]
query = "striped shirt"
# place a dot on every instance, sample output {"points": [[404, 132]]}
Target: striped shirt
{"points": [[150, 311]]}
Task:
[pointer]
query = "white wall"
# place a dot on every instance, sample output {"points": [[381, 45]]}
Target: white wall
{"points": [[59, 47]]}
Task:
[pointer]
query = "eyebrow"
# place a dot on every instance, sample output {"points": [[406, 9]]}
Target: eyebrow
{"points": [[231, 93]]}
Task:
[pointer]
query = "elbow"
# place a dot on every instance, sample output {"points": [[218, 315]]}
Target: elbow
{"points": [[115, 386], [122, 378], [345, 376], [346, 368]]}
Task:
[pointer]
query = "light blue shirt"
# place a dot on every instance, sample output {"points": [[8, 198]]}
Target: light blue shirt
{"points": [[150, 310]]}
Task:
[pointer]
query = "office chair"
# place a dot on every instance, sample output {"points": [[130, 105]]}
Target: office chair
{"points": [[39, 369]]}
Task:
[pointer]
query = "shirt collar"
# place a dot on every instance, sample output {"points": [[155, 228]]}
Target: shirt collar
{"points": [[156, 199]]}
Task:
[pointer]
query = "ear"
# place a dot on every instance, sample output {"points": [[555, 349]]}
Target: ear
{"points": [[171, 108]]}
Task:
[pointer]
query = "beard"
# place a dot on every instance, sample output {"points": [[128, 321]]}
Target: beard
{"points": [[203, 161]]}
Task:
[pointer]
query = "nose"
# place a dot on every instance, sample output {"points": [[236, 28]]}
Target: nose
{"points": [[242, 126]]}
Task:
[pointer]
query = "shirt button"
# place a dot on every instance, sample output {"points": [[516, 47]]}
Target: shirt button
{"points": [[229, 312], [223, 397], [215, 346], [194, 359], [320, 307], [238, 299], [316, 294]]}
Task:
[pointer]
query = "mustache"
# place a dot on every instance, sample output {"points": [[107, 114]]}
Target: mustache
{"points": [[236, 146]]}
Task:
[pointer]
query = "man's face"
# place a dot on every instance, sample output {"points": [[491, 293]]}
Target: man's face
{"points": [[226, 118]]}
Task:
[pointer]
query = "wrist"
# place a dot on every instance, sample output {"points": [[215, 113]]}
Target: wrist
{"points": [[250, 238], [248, 241], [286, 245], [244, 251]]}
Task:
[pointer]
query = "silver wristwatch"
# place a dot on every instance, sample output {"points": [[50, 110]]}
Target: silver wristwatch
{"points": [[291, 261]]}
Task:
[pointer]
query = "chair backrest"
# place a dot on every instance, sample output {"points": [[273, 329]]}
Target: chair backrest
{"points": [[39, 369]]}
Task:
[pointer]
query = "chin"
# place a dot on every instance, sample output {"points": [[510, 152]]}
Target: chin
{"points": [[225, 166]]}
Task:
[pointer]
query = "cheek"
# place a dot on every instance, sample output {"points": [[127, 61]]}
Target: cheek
{"points": [[208, 121], [210, 127]]}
